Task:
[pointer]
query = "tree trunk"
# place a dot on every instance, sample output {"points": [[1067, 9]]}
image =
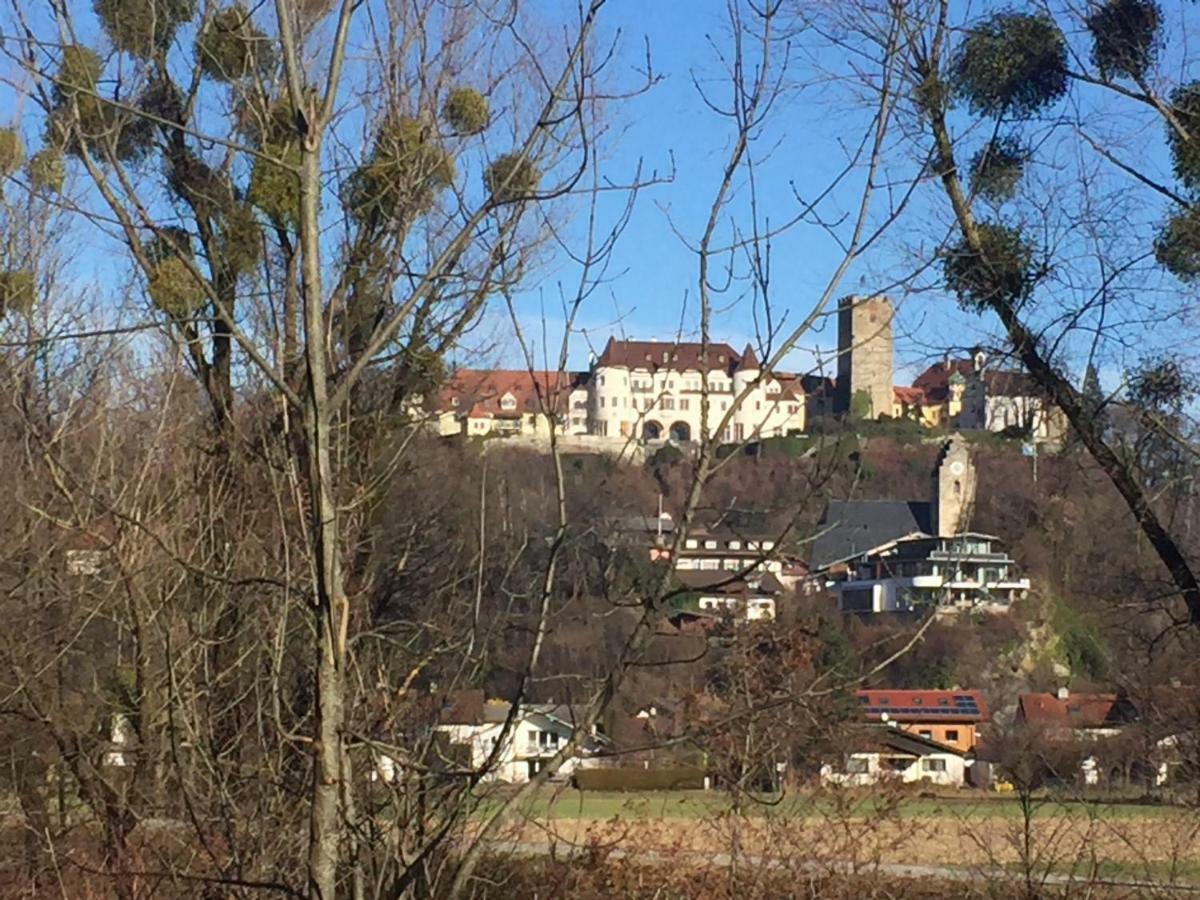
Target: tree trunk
{"points": [[1062, 393], [329, 597]]}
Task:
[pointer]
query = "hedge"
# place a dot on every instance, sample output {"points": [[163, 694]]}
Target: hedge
{"points": [[630, 779]]}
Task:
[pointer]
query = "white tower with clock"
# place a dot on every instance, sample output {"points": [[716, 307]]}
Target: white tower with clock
{"points": [[952, 499]]}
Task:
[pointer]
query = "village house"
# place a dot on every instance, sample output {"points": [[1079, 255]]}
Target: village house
{"points": [[951, 718], [507, 402], [882, 556], [721, 595], [750, 552], [474, 726], [882, 753]]}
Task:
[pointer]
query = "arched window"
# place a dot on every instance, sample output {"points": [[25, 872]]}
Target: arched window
{"points": [[681, 431]]}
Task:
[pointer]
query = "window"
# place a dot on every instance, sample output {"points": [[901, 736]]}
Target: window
{"points": [[683, 403], [933, 765], [601, 381], [508, 401], [857, 765], [602, 401], [951, 734], [925, 733]]}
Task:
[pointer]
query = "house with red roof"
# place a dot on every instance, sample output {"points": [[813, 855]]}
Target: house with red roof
{"points": [[489, 402], [974, 394], [1063, 714], [951, 718]]}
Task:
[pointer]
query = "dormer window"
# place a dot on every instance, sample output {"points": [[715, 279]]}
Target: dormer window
{"points": [[710, 545], [454, 401], [508, 401], [666, 356]]}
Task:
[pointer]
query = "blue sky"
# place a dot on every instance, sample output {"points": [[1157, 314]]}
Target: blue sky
{"points": [[803, 145], [651, 289]]}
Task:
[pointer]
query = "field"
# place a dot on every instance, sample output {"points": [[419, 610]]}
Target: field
{"points": [[567, 803], [948, 834]]}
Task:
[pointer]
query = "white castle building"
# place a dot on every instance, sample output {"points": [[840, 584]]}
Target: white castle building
{"points": [[637, 390], [653, 391]]}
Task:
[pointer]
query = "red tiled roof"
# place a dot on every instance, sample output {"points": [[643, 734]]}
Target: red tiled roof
{"points": [[749, 357], [912, 396], [934, 382], [675, 357], [1073, 711], [479, 392], [917, 706]]}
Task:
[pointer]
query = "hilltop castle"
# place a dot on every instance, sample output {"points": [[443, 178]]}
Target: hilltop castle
{"points": [[652, 391]]}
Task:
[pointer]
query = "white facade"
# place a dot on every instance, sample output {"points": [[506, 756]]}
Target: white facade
{"points": [[651, 390], [533, 739], [721, 554], [897, 594], [870, 768], [963, 571], [751, 609]]}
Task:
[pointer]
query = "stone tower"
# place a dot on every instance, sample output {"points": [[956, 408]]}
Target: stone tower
{"points": [[952, 499], [864, 365]]}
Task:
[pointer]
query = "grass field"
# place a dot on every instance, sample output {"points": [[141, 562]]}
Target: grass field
{"points": [[1096, 839], [568, 803]]}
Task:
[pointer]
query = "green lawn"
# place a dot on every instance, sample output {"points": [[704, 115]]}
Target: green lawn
{"points": [[568, 803]]}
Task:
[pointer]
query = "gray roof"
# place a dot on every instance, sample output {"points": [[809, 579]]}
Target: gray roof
{"points": [[850, 528]]}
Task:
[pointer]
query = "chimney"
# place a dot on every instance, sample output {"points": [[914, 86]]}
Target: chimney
{"points": [[1063, 693]]}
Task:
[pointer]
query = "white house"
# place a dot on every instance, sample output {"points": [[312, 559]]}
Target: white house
{"points": [[963, 571], [536, 733], [884, 753]]}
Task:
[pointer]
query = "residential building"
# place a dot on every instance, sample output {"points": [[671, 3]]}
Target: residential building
{"points": [[502, 402], [729, 549], [721, 595], [1064, 714], [883, 753], [969, 570], [537, 732], [903, 555], [951, 718], [1091, 718]]}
